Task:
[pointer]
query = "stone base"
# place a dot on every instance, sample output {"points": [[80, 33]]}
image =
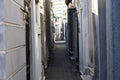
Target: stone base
{"points": [[86, 77], [89, 71]]}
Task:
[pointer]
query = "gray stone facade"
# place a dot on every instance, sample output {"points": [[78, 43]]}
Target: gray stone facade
{"points": [[105, 19], [113, 32]]}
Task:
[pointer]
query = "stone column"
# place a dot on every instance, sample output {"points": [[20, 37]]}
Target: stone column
{"points": [[99, 15], [95, 31], [102, 39], [85, 35]]}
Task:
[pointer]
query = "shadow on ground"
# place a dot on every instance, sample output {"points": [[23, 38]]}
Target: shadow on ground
{"points": [[59, 66]]}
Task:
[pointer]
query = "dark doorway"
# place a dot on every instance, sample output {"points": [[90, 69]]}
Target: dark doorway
{"points": [[27, 49]]}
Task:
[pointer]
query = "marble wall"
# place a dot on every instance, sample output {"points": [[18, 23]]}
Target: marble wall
{"points": [[12, 41]]}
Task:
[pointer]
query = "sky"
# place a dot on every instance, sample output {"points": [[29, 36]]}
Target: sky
{"points": [[59, 7]]}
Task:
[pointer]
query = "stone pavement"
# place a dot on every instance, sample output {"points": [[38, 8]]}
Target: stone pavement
{"points": [[60, 66]]}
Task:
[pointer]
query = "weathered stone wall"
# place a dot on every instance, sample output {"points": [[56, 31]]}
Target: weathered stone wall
{"points": [[90, 34], [106, 29], [113, 39]]}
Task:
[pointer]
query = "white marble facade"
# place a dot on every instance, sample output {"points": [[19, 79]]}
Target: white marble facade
{"points": [[82, 9], [12, 40]]}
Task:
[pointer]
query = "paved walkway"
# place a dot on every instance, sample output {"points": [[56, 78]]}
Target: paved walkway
{"points": [[60, 67]]}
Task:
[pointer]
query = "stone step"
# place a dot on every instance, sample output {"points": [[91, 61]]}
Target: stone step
{"points": [[89, 71], [86, 77]]}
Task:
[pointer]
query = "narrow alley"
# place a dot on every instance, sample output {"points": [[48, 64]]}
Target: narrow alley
{"points": [[60, 67], [59, 39]]}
